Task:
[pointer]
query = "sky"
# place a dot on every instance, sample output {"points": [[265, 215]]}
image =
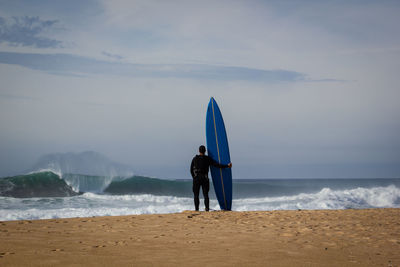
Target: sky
{"points": [[308, 89]]}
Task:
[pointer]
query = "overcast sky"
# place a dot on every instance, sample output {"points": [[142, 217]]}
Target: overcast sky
{"points": [[306, 88]]}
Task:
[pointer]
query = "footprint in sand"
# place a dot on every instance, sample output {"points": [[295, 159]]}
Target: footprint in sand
{"points": [[117, 243], [99, 246], [57, 249], [2, 254]]}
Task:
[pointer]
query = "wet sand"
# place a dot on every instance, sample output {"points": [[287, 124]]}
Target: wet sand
{"points": [[268, 238]]}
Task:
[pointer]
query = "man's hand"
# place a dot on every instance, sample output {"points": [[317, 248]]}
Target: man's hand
{"points": [[230, 165]]}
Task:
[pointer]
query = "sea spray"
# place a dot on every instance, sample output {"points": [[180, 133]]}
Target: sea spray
{"points": [[85, 163], [87, 171], [88, 183]]}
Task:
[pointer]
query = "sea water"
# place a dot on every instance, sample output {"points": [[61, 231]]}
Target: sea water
{"points": [[46, 194]]}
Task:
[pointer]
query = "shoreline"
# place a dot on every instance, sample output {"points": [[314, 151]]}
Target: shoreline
{"points": [[193, 211], [365, 237]]}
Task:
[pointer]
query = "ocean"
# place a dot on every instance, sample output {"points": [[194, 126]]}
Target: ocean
{"points": [[47, 194]]}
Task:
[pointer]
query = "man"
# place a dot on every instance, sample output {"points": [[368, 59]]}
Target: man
{"points": [[199, 171]]}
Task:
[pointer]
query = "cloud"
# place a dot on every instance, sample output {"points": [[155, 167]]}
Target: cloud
{"points": [[27, 31], [71, 64], [330, 80], [113, 56]]}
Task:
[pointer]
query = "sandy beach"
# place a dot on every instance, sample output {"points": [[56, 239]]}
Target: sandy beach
{"points": [[368, 237]]}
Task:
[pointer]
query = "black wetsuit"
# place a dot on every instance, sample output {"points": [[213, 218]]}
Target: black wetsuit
{"points": [[199, 171]]}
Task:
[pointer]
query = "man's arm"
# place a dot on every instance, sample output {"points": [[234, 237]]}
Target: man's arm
{"points": [[216, 164]]}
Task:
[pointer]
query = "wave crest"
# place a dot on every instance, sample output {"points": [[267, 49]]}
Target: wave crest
{"points": [[37, 184]]}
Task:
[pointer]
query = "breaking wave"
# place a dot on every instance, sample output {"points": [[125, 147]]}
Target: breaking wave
{"points": [[39, 184], [46, 194], [47, 183]]}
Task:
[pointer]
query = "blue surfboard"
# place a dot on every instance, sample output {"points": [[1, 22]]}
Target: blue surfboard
{"points": [[218, 150]]}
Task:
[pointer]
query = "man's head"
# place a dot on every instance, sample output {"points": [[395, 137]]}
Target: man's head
{"points": [[202, 149]]}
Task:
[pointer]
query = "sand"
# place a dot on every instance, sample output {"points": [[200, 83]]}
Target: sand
{"points": [[266, 238]]}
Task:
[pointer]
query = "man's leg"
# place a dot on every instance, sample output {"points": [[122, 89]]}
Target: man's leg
{"points": [[206, 188], [196, 192]]}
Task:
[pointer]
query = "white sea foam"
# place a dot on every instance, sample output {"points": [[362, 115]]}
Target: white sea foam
{"points": [[90, 204], [377, 197], [32, 214]]}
